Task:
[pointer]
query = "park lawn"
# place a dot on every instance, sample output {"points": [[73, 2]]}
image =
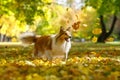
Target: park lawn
{"points": [[87, 61]]}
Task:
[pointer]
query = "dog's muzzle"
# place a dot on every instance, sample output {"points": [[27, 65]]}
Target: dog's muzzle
{"points": [[67, 39], [70, 37]]}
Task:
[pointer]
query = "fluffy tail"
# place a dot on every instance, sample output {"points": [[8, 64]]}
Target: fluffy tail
{"points": [[27, 38]]}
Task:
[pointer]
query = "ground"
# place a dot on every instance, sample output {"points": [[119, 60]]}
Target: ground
{"points": [[87, 61]]}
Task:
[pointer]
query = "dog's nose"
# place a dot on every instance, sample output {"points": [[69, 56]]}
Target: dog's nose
{"points": [[70, 37]]}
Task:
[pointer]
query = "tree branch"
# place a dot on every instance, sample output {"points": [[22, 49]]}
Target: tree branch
{"points": [[113, 24], [102, 24]]}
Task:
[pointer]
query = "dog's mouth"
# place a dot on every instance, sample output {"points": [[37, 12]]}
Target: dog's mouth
{"points": [[67, 39]]}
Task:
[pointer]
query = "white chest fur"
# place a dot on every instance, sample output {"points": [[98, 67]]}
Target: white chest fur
{"points": [[60, 50]]}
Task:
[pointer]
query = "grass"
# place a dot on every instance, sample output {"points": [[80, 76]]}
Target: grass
{"points": [[107, 49], [77, 49]]}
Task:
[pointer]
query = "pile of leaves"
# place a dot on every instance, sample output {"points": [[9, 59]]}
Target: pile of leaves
{"points": [[16, 64]]}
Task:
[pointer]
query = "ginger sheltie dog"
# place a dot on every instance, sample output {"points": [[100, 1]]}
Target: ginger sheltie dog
{"points": [[49, 47]]}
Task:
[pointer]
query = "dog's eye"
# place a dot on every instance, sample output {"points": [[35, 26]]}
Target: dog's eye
{"points": [[65, 33]]}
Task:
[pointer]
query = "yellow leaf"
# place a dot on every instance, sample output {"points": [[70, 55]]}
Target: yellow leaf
{"points": [[94, 39], [14, 40], [110, 39], [96, 31]]}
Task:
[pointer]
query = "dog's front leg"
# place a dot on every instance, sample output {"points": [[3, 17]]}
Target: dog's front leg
{"points": [[66, 57], [67, 49]]}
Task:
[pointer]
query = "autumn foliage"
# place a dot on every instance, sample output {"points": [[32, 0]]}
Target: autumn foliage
{"points": [[98, 62]]}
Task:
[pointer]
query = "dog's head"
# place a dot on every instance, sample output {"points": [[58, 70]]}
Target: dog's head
{"points": [[64, 34]]}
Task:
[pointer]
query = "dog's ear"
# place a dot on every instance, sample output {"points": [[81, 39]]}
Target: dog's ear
{"points": [[61, 29], [68, 29]]}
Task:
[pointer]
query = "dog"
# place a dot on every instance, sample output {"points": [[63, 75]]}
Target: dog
{"points": [[49, 46]]}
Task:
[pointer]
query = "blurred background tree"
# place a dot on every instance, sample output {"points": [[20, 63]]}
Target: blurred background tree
{"points": [[106, 9], [18, 16], [40, 16], [90, 19]]}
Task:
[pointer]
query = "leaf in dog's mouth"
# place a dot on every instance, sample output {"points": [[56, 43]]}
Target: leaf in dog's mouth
{"points": [[67, 39]]}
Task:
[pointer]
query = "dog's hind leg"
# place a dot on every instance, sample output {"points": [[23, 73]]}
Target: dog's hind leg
{"points": [[48, 55], [35, 52]]}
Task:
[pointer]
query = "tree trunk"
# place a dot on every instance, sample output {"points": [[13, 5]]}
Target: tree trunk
{"points": [[104, 35]]}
